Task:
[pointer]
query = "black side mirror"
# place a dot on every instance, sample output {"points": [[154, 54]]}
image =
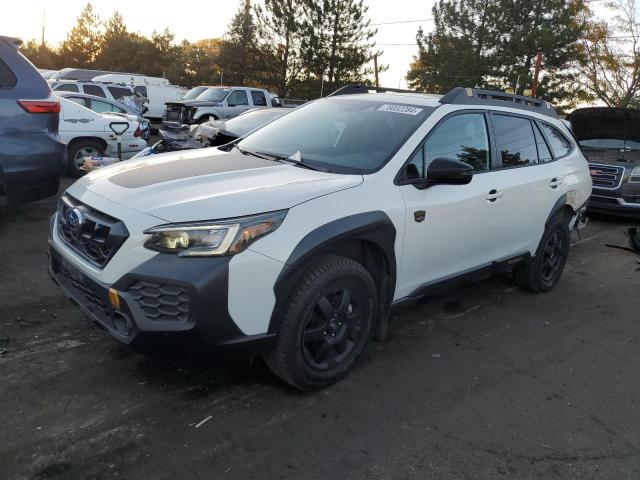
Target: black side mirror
{"points": [[449, 171], [440, 171]]}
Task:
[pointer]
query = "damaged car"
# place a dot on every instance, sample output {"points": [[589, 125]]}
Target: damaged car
{"points": [[610, 140], [219, 103]]}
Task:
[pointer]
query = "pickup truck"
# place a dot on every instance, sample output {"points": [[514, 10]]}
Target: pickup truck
{"points": [[219, 103]]}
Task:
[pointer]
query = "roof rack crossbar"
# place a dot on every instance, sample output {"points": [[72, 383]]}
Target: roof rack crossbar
{"points": [[355, 88], [476, 96]]}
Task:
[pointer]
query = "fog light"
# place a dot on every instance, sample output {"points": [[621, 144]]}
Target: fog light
{"points": [[114, 299]]}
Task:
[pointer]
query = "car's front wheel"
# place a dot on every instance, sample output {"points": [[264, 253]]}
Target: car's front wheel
{"points": [[545, 269], [327, 322]]}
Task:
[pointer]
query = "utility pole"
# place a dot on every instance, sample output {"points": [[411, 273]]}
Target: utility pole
{"points": [[44, 13], [375, 66], [536, 73]]}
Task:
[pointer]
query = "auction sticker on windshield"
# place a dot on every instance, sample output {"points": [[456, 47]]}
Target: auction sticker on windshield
{"points": [[399, 109]]}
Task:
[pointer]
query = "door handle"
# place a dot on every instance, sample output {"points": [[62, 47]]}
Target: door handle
{"points": [[494, 195], [555, 182]]}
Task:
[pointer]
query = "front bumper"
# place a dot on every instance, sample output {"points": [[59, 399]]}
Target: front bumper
{"points": [[614, 205], [164, 296]]}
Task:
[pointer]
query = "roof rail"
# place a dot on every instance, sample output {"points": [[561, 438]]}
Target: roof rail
{"points": [[476, 96], [352, 89]]}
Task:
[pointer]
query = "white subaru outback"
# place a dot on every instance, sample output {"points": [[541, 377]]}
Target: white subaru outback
{"points": [[295, 242]]}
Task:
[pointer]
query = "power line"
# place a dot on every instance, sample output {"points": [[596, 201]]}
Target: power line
{"points": [[402, 21]]}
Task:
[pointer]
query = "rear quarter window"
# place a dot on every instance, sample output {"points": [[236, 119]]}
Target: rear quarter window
{"points": [[94, 90], [67, 87], [558, 142], [119, 92], [7, 77]]}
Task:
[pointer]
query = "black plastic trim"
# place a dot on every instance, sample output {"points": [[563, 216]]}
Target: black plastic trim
{"points": [[374, 227], [470, 276]]}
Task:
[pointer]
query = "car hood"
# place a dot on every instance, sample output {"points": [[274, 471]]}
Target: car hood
{"points": [[195, 103], [207, 184], [613, 156]]}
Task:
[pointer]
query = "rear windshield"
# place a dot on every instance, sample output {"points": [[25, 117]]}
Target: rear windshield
{"points": [[343, 135]]}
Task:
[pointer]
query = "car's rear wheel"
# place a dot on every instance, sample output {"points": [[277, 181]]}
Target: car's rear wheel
{"points": [[77, 153], [545, 269], [327, 322]]}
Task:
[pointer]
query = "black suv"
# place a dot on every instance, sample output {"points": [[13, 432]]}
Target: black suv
{"points": [[610, 139], [31, 152]]}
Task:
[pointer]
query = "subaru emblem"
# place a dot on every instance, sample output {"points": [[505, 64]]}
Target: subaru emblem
{"points": [[74, 219]]}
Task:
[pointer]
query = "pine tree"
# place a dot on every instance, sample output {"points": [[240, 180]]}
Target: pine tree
{"points": [[82, 44], [280, 30], [240, 59], [337, 41]]}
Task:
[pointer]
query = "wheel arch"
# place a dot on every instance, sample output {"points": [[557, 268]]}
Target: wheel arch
{"points": [[76, 140], [562, 207], [368, 238]]}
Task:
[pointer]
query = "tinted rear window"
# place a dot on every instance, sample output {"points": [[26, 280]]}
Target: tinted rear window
{"points": [[67, 87], [94, 90], [119, 92], [7, 77]]}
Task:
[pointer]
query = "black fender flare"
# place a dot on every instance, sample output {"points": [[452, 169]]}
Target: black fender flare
{"points": [[374, 227], [559, 205]]}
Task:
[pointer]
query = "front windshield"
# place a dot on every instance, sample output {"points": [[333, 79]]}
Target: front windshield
{"points": [[610, 144], [214, 94], [193, 93], [246, 122], [341, 134]]}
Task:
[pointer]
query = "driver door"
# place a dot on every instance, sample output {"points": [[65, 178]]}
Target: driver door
{"points": [[449, 229], [236, 103]]}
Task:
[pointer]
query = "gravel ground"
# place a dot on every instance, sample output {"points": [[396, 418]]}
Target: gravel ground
{"points": [[486, 382]]}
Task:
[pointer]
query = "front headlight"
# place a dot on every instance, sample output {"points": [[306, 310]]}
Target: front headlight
{"points": [[635, 172], [205, 239]]}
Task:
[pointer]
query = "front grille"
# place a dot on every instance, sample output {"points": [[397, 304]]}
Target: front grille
{"points": [[606, 176], [161, 302], [91, 295], [179, 113], [94, 235]]}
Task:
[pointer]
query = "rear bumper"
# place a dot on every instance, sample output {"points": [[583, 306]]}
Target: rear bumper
{"points": [[613, 206], [164, 297]]}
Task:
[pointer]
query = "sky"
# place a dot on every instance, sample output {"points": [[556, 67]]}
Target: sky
{"points": [[198, 19]]}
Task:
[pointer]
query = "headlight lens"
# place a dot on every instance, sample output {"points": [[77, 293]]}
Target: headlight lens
{"points": [[205, 239], [635, 172]]}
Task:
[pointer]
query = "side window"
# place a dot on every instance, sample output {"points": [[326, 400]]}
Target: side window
{"points": [[544, 154], [238, 97], [462, 137], [141, 89], [258, 98], [79, 101], [515, 140], [559, 144], [415, 167], [67, 87], [100, 107], [7, 77], [94, 90], [119, 92]]}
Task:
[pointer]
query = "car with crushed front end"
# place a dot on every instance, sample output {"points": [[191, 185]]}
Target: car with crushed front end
{"points": [[296, 242]]}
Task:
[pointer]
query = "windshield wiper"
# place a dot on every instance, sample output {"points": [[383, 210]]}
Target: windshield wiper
{"points": [[292, 161], [248, 152]]}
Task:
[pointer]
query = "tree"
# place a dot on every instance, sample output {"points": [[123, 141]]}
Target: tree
{"points": [[280, 30], [459, 50], [199, 62], [40, 55], [609, 62], [493, 43], [240, 55], [337, 41], [82, 44]]}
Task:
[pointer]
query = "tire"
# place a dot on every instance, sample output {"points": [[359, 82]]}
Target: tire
{"points": [[327, 322], [545, 269], [79, 149]]}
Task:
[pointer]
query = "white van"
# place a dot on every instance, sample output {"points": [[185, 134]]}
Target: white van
{"points": [[158, 90]]}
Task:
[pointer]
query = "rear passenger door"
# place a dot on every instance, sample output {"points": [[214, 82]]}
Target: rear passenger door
{"points": [[527, 183]]}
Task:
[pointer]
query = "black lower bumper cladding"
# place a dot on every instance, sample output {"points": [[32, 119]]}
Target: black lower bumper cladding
{"points": [[170, 297]]}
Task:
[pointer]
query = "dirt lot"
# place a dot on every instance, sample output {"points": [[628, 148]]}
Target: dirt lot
{"points": [[488, 382]]}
